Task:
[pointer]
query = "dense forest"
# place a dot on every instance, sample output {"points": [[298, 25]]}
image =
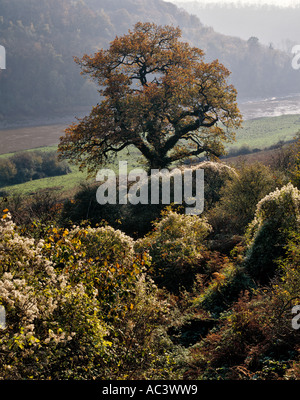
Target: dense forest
{"points": [[42, 37]]}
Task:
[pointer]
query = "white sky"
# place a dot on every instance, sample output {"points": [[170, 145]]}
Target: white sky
{"points": [[259, 2]]}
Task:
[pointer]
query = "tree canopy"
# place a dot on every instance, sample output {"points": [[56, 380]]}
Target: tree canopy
{"points": [[157, 94], [41, 37]]}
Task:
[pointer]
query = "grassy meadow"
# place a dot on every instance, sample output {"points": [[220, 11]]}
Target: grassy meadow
{"points": [[264, 132], [256, 133]]}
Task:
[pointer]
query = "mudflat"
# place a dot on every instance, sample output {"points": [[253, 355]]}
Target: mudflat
{"points": [[19, 139]]}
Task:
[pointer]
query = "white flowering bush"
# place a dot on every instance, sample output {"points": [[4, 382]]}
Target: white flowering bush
{"points": [[100, 258], [47, 317], [216, 174], [282, 204], [176, 245], [75, 304], [276, 214]]}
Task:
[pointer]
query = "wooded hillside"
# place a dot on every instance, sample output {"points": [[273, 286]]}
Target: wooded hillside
{"points": [[42, 37]]}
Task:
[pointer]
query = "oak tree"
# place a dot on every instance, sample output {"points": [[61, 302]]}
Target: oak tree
{"points": [[158, 95]]}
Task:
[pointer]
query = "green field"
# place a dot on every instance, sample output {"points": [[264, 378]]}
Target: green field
{"points": [[256, 133], [66, 183], [264, 132]]}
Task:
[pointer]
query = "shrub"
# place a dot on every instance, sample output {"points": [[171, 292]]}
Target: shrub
{"points": [[294, 161], [53, 328], [51, 166], [226, 287], [79, 306], [8, 172], [101, 258], [134, 220], [240, 151], [255, 339], [177, 247], [239, 198], [29, 165], [31, 212], [289, 266], [216, 174], [137, 220], [267, 234], [84, 207]]}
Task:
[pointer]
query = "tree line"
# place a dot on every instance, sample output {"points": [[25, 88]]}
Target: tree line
{"points": [[26, 166]]}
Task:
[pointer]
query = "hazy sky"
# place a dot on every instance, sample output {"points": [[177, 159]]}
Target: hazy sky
{"points": [[275, 2]]}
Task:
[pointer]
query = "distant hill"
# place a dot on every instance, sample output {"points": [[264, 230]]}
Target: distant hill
{"points": [[271, 24], [41, 38]]}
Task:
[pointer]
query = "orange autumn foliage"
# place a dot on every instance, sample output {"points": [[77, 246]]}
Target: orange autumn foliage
{"points": [[158, 95]]}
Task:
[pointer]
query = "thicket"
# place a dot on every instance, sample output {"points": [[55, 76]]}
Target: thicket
{"points": [[42, 37], [255, 338], [137, 220], [239, 197]]}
